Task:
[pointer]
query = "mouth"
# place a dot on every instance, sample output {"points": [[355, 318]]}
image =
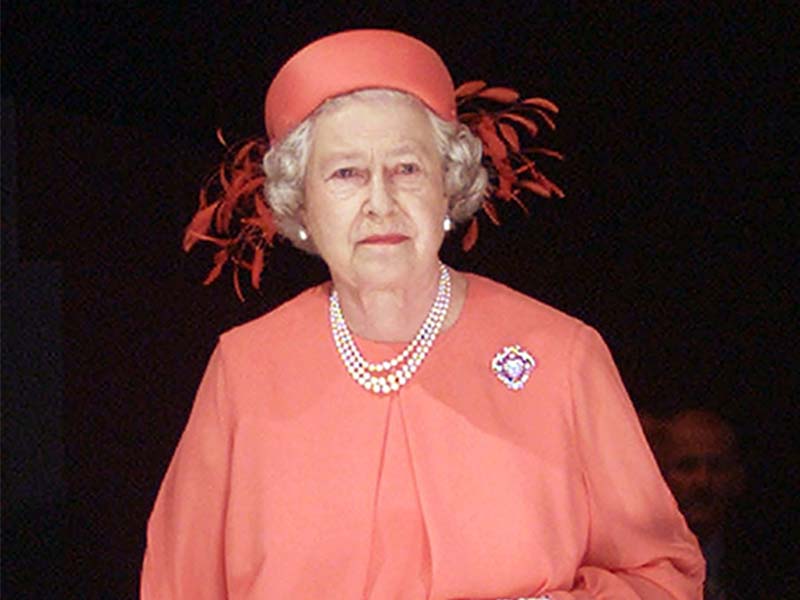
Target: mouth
{"points": [[386, 239]]}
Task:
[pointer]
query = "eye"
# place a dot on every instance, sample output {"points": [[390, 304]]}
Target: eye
{"points": [[345, 173], [407, 169]]}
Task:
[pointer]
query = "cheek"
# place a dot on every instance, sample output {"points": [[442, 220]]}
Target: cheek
{"points": [[723, 483], [319, 209], [331, 224], [434, 218], [677, 482], [433, 228], [431, 208], [328, 227]]}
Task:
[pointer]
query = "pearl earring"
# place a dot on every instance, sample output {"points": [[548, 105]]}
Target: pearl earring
{"points": [[302, 234], [447, 224]]}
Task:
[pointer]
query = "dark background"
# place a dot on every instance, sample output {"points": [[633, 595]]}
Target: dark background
{"points": [[673, 240]]}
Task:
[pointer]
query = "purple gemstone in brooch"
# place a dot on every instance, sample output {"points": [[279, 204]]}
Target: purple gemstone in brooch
{"points": [[513, 366]]}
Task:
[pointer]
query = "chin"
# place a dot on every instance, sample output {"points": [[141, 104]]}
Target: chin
{"points": [[385, 270]]}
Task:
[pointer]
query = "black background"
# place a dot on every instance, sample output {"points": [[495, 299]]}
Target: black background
{"points": [[674, 239]]}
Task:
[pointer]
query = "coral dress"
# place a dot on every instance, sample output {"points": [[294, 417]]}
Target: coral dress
{"points": [[291, 481]]}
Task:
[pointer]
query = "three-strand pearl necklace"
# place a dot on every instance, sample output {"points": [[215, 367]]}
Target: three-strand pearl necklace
{"points": [[390, 375]]}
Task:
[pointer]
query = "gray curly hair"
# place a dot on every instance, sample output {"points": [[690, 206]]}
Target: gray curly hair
{"points": [[285, 165]]}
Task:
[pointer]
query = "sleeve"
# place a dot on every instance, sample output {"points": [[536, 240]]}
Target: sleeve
{"points": [[185, 534], [639, 545]]}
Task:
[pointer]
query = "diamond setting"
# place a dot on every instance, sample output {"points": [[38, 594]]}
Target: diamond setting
{"points": [[513, 366]]}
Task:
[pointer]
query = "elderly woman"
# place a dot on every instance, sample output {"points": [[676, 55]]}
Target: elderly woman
{"points": [[404, 431]]}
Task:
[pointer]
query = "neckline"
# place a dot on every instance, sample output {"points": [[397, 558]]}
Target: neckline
{"points": [[377, 351]]}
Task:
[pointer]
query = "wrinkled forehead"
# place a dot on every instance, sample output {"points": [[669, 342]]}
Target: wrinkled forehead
{"points": [[390, 123]]}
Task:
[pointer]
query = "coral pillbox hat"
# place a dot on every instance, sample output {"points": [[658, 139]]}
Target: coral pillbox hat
{"points": [[355, 60]]}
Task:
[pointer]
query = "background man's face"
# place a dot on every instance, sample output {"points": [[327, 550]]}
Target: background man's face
{"points": [[701, 468]]}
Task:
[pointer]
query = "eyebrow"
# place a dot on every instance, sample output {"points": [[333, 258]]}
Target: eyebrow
{"points": [[345, 154], [342, 155], [410, 147], [336, 158]]}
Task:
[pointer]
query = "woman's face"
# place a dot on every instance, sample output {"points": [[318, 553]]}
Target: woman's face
{"points": [[374, 193]]}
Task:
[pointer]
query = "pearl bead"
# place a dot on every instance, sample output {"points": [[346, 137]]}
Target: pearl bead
{"points": [[389, 375]]}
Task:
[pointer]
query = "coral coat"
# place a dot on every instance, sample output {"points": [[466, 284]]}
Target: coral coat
{"points": [[291, 481]]}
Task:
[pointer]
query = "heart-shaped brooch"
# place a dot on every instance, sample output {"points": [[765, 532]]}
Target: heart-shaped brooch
{"points": [[513, 366]]}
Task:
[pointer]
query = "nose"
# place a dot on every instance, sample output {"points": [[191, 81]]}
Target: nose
{"points": [[702, 474], [380, 200]]}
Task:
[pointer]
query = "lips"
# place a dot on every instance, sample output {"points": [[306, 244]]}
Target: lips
{"points": [[385, 239]]}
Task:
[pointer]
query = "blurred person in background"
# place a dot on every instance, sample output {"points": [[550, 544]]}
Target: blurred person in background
{"points": [[699, 455]]}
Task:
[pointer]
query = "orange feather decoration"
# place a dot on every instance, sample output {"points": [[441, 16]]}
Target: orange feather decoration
{"points": [[234, 215], [497, 116]]}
